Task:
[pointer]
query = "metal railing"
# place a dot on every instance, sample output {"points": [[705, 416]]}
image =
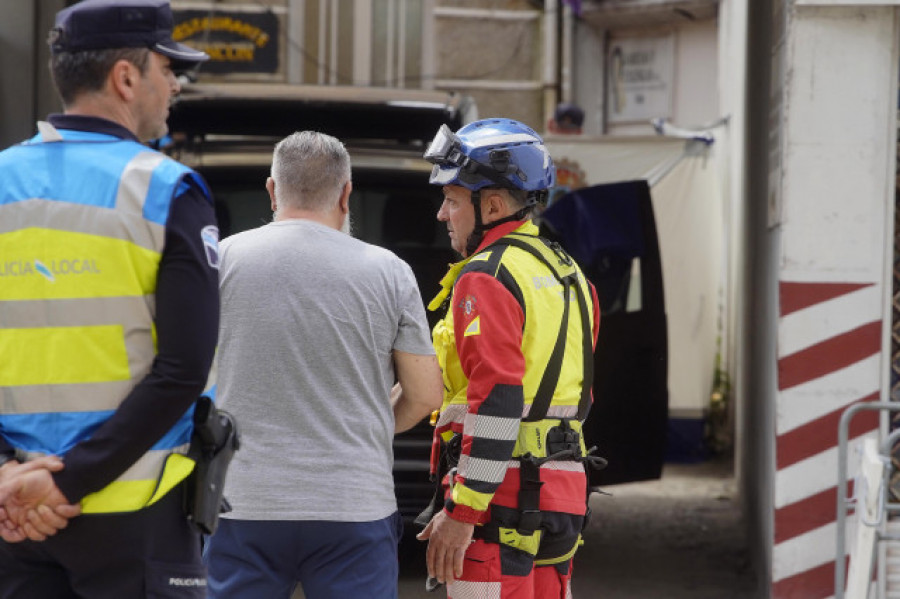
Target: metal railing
{"points": [[844, 503]]}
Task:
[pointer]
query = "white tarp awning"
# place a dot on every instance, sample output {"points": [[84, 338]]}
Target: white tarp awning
{"points": [[623, 159], [688, 208]]}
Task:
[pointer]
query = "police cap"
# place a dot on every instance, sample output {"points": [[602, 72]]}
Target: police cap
{"points": [[106, 24]]}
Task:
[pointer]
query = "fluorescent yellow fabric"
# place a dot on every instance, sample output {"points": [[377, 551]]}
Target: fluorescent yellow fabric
{"points": [[132, 495], [465, 496], [533, 435], [562, 558], [78, 293], [66, 253], [527, 543], [99, 355]]}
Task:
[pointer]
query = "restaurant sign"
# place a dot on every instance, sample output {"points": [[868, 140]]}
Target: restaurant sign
{"points": [[236, 41]]}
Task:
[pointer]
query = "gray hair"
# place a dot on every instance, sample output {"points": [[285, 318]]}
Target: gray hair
{"points": [[310, 169]]}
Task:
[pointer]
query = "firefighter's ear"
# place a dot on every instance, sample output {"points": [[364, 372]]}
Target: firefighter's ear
{"points": [[493, 205]]}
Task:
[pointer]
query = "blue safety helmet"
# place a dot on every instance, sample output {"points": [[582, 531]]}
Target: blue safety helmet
{"points": [[492, 152]]}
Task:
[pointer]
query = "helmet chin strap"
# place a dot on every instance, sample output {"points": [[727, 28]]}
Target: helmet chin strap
{"points": [[477, 234]]}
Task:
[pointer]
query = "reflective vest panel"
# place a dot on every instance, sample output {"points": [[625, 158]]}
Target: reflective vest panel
{"points": [[82, 230], [542, 295]]}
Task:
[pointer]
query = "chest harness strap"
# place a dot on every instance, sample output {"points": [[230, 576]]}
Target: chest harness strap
{"points": [[562, 441]]}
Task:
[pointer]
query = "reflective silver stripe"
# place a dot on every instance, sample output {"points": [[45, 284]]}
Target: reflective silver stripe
{"points": [[150, 465], [78, 218], [134, 313], [452, 413], [83, 397], [134, 182], [491, 427], [457, 413], [466, 589], [562, 465], [489, 471], [48, 132], [556, 411], [130, 311]]}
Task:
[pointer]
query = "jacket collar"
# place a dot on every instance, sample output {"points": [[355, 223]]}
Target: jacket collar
{"points": [[525, 227], [93, 124]]}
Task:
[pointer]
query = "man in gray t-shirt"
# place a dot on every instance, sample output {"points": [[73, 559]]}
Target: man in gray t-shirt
{"points": [[315, 327]]}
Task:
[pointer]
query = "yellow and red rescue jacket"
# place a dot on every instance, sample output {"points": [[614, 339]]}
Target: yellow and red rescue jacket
{"points": [[504, 317]]}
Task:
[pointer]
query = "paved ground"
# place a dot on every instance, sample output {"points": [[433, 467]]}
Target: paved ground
{"points": [[676, 538]]}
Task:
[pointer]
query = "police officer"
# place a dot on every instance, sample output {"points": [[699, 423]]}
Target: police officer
{"points": [[516, 350], [108, 319]]}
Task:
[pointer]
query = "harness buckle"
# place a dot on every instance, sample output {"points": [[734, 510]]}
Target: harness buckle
{"points": [[529, 521], [561, 254]]}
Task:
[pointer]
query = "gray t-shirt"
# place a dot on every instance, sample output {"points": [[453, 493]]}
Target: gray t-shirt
{"points": [[310, 317]]}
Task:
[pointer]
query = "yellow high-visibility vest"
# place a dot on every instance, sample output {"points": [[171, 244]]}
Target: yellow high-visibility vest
{"points": [[80, 246]]}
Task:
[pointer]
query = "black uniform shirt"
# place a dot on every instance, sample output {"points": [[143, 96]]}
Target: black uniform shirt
{"points": [[187, 321]]}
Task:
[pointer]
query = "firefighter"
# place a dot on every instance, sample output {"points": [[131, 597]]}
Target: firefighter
{"points": [[516, 351]]}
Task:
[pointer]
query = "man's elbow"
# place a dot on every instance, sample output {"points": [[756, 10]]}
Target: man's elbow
{"points": [[423, 386], [435, 394], [426, 400], [436, 399]]}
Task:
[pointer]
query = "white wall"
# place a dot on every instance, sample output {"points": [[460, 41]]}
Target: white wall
{"points": [[833, 211], [696, 98], [694, 92], [838, 140]]}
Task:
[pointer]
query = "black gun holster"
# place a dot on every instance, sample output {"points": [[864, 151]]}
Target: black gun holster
{"points": [[213, 443]]}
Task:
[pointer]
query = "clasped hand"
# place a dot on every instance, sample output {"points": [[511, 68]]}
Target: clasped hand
{"points": [[31, 505]]}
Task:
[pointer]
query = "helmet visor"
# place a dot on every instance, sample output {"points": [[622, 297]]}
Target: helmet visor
{"points": [[445, 149]]}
